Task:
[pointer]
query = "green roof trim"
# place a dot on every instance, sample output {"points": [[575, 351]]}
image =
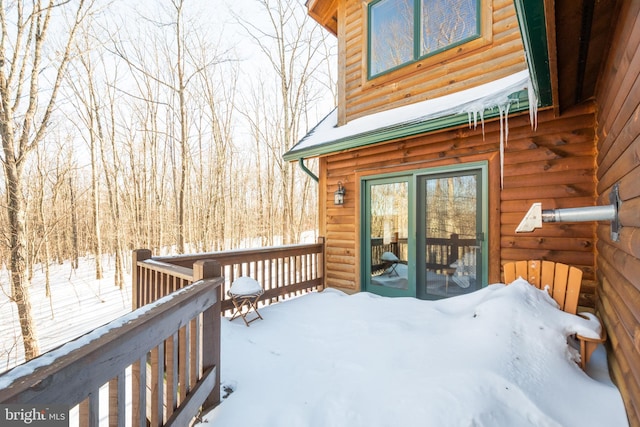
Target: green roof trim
{"points": [[520, 102], [533, 29]]}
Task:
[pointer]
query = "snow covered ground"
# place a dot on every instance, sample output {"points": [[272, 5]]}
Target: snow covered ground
{"points": [[79, 303], [496, 357]]}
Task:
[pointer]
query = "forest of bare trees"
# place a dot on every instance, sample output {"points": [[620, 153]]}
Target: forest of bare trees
{"points": [[157, 124]]}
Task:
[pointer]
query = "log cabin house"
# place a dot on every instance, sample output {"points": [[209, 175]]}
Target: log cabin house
{"points": [[432, 158], [453, 120]]}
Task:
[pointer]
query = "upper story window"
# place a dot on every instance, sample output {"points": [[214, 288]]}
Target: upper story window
{"points": [[405, 31]]}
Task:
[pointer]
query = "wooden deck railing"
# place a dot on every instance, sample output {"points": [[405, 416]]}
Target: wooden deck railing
{"points": [[167, 354], [163, 357], [440, 253], [397, 246], [283, 271]]}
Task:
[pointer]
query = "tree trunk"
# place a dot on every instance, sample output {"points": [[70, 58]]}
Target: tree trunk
{"points": [[18, 264], [75, 253], [95, 199]]}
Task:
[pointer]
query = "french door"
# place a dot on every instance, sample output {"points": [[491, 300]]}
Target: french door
{"points": [[424, 232], [388, 251]]}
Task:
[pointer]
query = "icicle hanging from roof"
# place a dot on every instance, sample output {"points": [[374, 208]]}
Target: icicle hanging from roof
{"points": [[476, 113], [502, 105], [504, 136], [533, 105], [502, 102]]}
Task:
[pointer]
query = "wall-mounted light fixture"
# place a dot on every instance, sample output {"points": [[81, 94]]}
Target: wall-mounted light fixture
{"points": [[536, 216], [338, 196]]}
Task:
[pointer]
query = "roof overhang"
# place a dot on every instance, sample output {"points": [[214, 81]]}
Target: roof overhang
{"points": [[325, 13], [565, 44], [464, 107], [533, 29]]}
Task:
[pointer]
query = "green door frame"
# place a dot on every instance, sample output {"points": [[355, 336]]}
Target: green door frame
{"points": [[480, 213], [366, 237], [412, 177]]}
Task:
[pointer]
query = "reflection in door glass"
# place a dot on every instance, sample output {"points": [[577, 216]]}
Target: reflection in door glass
{"points": [[451, 248], [388, 233]]}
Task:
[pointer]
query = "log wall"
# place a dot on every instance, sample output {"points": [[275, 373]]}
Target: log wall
{"points": [[497, 54], [618, 267], [553, 164]]}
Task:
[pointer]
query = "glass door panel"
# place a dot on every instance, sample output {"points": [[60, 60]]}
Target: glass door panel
{"points": [[449, 234], [387, 230]]}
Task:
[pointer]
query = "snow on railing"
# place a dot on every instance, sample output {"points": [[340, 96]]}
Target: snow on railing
{"points": [[283, 271], [157, 364]]}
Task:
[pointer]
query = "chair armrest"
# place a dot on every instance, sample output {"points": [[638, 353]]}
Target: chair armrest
{"points": [[588, 344]]}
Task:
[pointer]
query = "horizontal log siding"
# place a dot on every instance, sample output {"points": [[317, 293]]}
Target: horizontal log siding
{"points": [[447, 73], [619, 162], [553, 164]]}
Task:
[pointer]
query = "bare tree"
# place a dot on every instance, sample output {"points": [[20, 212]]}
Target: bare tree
{"points": [[219, 90], [94, 86], [89, 112], [24, 119], [173, 68], [258, 116], [294, 51]]}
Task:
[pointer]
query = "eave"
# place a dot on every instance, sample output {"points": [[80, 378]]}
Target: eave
{"points": [[564, 46], [415, 119], [533, 29], [325, 13]]}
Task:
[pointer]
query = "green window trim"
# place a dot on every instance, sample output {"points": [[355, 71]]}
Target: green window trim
{"points": [[417, 37], [532, 23]]}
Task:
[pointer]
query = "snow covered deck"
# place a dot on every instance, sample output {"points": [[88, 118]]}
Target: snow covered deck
{"points": [[497, 357], [502, 356]]}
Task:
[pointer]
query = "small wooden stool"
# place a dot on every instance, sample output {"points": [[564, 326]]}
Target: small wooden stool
{"points": [[390, 261], [245, 293]]}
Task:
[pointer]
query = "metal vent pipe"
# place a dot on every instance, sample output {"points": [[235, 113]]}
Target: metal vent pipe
{"points": [[588, 213], [536, 216]]}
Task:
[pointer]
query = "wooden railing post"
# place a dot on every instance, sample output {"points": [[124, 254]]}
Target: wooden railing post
{"points": [[206, 269], [136, 280], [211, 318], [455, 245], [137, 286], [320, 260]]}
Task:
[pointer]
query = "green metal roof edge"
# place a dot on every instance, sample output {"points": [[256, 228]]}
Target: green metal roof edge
{"points": [[401, 130], [531, 19]]}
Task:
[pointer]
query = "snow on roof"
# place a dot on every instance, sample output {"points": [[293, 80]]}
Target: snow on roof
{"points": [[473, 101]]}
